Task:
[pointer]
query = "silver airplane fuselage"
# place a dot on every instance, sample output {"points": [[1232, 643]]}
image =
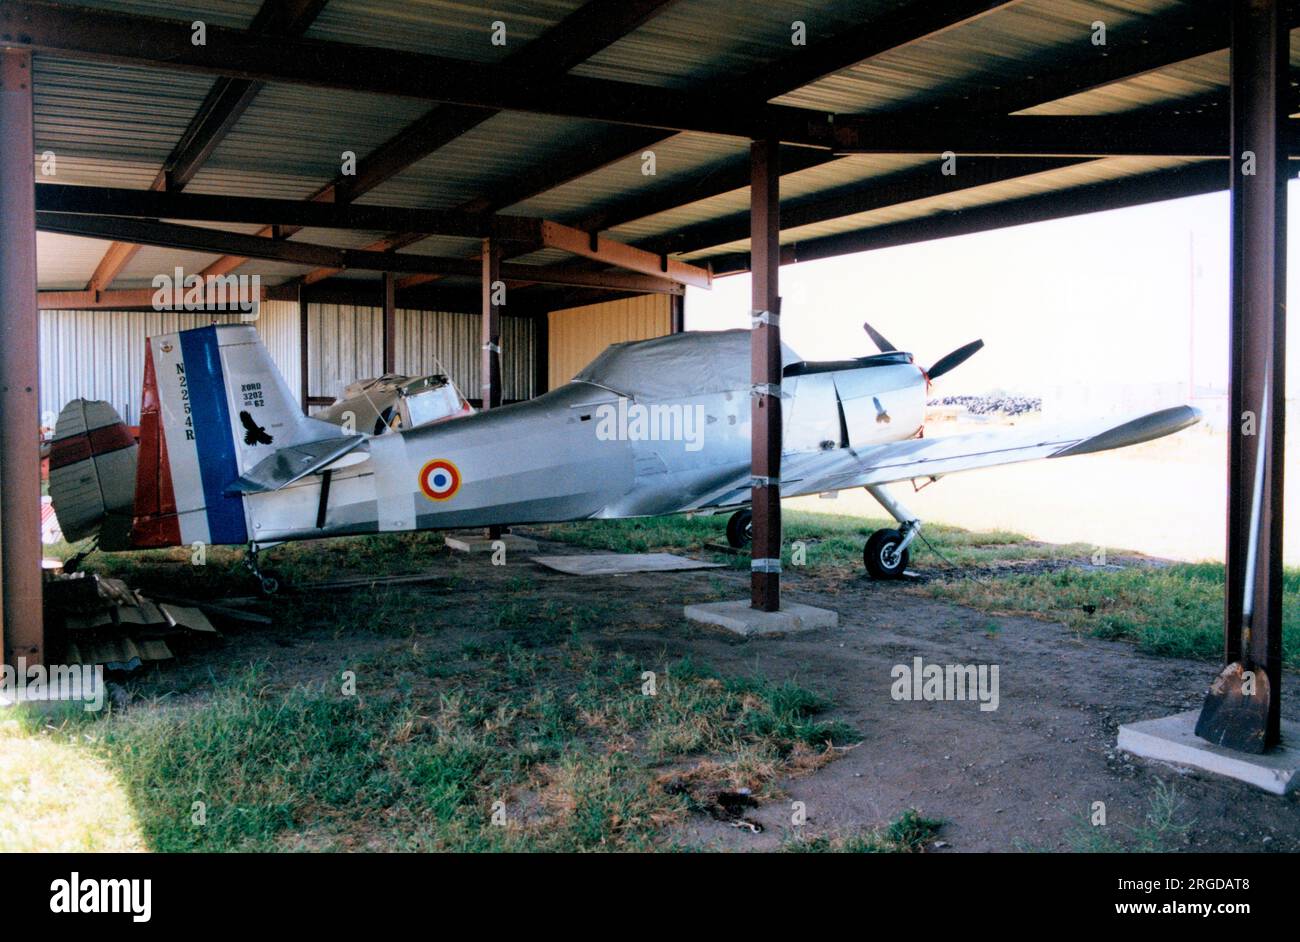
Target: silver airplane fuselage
{"points": [[585, 451]]}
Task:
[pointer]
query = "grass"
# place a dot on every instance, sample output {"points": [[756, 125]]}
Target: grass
{"points": [[907, 834], [1168, 610], [562, 744], [59, 795], [831, 541], [1163, 828]]}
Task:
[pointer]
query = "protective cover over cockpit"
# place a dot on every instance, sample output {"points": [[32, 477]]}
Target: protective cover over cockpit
{"points": [[686, 364]]}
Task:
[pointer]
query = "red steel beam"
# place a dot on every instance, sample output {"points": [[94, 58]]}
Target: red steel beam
{"points": [[22, 626], [390, 324], [765, 372], [490, 379], [1257, 364], [199, 239]]}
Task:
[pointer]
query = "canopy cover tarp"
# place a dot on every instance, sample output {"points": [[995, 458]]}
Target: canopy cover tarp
{"points": [[687, 364]]}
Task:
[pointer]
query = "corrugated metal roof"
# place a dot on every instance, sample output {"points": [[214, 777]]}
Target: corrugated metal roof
{"points": [[112, 113], [1094, 171], [1009, 44], [298, 132], [489, 156], [114, 125], [438, 27], [695, 41], [858, 169], [679, 157]]}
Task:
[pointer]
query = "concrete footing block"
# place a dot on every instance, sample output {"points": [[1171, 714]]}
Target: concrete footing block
{"points": [[478, 543], [739, 617], [1173, 739]]}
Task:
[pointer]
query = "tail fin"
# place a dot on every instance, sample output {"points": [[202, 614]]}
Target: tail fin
{"points": [[214, 406], [92, 465]]}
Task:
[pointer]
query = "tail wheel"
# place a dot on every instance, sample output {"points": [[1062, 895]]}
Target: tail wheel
{"points": [[740, 529], [270, 582], [881, 556]]}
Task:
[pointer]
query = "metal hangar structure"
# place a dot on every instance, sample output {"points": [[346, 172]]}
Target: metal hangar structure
{"points": [[412, 154]]}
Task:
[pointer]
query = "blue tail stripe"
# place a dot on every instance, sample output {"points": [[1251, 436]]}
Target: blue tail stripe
{"points": [[218, 465]]}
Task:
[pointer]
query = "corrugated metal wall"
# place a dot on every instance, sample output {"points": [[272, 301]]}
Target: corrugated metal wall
{"points": [[100, 354], [346, 344], [278, 325], [579, 334]]}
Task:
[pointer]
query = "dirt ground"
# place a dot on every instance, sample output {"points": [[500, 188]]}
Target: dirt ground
{"points": [[1023, 777]]}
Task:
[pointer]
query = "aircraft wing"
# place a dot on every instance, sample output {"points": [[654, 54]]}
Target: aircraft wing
{"points": [[933, 457], [842, 468]]}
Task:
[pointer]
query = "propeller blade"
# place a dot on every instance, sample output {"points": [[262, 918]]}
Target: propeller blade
{"points": [[954, 359], [878, 339]]}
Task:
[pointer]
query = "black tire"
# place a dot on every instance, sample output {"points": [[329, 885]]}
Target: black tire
{"points": [[874, 555], [270, 583], [740, 529]]}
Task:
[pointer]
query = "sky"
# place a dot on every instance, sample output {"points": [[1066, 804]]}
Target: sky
{"points": [[1126, 296]]}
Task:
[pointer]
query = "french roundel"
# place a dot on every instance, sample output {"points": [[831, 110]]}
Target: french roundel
{"points": [[439, 479]]}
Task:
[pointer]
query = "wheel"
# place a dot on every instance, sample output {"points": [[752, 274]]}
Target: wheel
{"points": [[740, 529], [271, 582], [879, 555]]}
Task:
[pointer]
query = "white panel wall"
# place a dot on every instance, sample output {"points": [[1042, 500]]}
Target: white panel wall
{"points": [[347, 340], [100, 354]]}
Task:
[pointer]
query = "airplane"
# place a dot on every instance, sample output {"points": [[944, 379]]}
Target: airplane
{"points": [[650, 427], [394, 401]]}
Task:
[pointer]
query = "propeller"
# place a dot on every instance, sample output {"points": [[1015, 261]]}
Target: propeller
{"points": [[954, 359], [879, 339]]}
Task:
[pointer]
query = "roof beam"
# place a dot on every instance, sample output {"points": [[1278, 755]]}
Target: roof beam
{"points": [[891, 190], [1191, 180], [225, 102], [196, 239], [287, 214], [1138, 135], [166, 43], [622, 255], [889, 31], [1182, 34], [885, 33], [228, 98], [574, 39]]}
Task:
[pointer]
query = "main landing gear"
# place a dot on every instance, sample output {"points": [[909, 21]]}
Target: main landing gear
{"points": [[886, 555], [740, 528], [269, 582]]}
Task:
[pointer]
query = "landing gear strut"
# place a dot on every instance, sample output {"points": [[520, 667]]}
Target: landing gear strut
{"points": [[886, 555], [269, 582], [740, 529]]}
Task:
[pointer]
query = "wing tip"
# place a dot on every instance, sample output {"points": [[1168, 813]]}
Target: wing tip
{"points": [[1144, 428]]}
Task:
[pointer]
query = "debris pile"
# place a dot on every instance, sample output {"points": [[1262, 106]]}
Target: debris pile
{"points": [[104, 621], [992, 405]]}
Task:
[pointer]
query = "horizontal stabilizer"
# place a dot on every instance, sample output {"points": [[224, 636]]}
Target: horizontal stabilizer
{"points": [[281, 468], [92, 473]]}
